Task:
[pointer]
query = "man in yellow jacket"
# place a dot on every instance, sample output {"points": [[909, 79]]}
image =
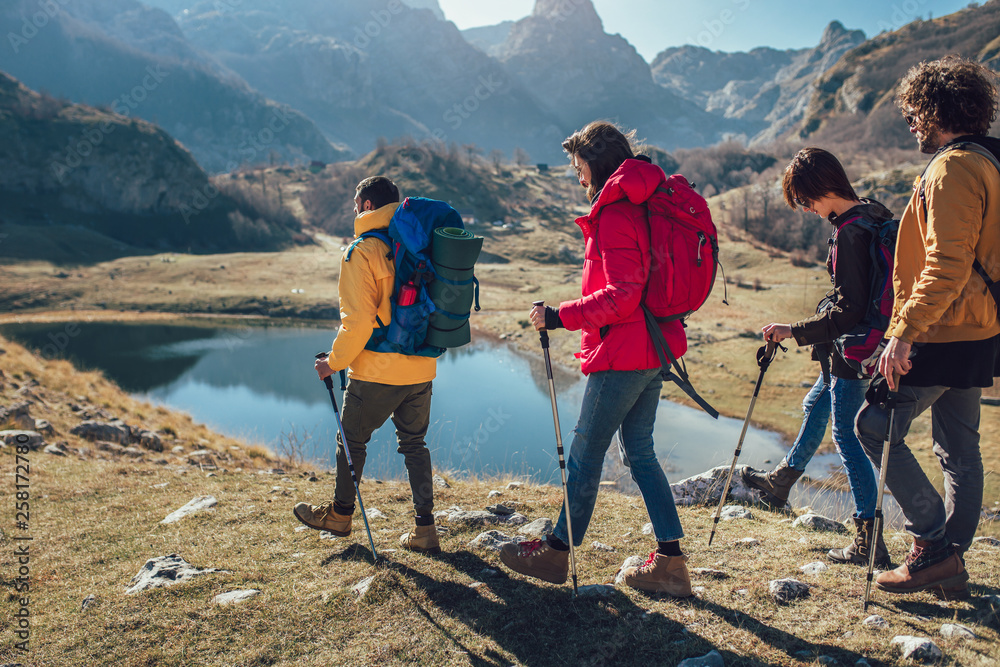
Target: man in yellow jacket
{"points": [[382, 384], [944, 337]]}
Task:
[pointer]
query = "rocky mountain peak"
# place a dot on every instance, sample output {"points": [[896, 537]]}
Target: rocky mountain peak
{"points": [[575, 14], [836, 34]]}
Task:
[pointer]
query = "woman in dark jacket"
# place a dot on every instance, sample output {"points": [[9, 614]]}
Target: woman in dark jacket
{"points": [[618, 357], [816, 182]]}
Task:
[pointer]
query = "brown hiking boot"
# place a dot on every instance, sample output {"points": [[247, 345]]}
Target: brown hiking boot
{"points": [[536, 558], [323, 517], [661, 574], [423, 539], [929, 565], [773, 486], [857, 552]]}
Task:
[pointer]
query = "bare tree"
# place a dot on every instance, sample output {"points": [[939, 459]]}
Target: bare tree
{"points": [[496, 158], [521, 157]]}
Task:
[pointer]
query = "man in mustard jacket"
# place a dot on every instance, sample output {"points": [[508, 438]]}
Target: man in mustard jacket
{"points": [[944, 337], [382, 384]]}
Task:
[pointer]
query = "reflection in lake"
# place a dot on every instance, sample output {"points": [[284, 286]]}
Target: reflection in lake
{"points": [[490, 412]]}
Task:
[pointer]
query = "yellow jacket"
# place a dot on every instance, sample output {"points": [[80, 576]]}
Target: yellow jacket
{"points": [[365, 287], [938, 296]]}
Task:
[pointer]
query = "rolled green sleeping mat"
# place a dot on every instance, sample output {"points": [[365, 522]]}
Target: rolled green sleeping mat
{"points": [[454, 253]]}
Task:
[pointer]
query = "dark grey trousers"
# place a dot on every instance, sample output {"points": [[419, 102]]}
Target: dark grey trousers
{"points": [[955, 430], [366, 407]]}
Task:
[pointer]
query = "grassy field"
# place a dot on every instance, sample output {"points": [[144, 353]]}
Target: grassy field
{"points": [[95, 520]]}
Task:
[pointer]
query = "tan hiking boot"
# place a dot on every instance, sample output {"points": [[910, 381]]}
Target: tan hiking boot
{"points": [[536, 558], [423, 539], [661, 574], [774, 486], [323, 517], [857, 551], [928, 566]]}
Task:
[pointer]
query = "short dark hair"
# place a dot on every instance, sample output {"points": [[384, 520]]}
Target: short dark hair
{"points": [[603, 146], [954, 93], [379, 190], [813, 174]]}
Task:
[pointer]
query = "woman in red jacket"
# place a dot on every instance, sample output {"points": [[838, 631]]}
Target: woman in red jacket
{"points": [[618, 357]]}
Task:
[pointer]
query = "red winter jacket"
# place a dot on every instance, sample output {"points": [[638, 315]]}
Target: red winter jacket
{"points": [[615, 270]]}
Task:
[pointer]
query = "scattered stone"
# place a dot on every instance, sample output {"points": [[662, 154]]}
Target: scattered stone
{"points": [[600, 546], [165, 571], [816, 567], [918, 648], [956, 631], [375, 513], [827, 660], [118, 450], [277, 471], [150, 440], [178, 449], [361, 588], [986, 542], [787, 590], [494, 494], [877, 622], [709, 572], [493, 540], [233, 597], [115, 431], [44, 427], [804, 655], [19, 416], [489, 572], [514, 485], [500, 509], [732, 512], [710, 659], [647, 529], [33, 440], [57, 449], [706, 488], [440, 482], [537, 528], [298, 554], [194, 505], [631, 561], [862, 663], [748, 542], [820, 523], [458, 516], [476, 584], [87, 601], [595, 591]]}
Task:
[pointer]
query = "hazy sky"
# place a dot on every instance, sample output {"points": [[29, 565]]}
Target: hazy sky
{"points": [[721, 25]]}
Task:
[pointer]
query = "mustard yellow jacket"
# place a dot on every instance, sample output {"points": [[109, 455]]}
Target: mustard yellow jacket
{"points": [[365, 287], [938, 296]]}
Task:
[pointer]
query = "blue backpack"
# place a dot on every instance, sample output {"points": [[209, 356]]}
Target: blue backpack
{"points": [[409, 237]]}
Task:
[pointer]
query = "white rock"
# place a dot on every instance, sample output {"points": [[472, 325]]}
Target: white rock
{"points": [[361, 588], [595, 590], [476, 584], [732, 512], [786, 590], [298, 554], [233, 597], [87, 601], [877, 622], [748, 542], [55, 450], [820, 523], [514, 485], [440, 482], [374, 513], [493, 540], [816, 567], [164, 571], [194, 505], [161, 485], [600, 546], [953, 630], [707, 487], [299, 529], [979, 541], [631, 561], [494, 494], [537, 528], [647, 529], [918, 648], [710, 659]]}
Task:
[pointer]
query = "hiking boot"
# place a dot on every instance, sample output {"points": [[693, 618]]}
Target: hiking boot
{"points": [[773, 486], [323, 517], [661, 574], [536, 558], [423, 539], [930, 565], [857, 552]]}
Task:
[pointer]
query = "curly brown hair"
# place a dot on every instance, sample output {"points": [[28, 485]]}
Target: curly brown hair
{"points": [[954, 93]]}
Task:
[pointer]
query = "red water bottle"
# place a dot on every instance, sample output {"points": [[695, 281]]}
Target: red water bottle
{"points": [[407, 294]]}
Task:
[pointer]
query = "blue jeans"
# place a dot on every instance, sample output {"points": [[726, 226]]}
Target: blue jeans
{"points": [[627, 399], [844, 399]]}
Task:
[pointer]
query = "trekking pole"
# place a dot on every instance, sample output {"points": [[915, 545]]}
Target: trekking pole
{"points": [[328, 381], [765, 355], [888, 403], [543, 335]]}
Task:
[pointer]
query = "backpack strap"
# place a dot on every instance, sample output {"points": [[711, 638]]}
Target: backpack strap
{"points": [[668, 362], [381, 234]]}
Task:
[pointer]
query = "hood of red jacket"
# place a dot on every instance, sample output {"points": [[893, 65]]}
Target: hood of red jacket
{"points": [[634, 180]]}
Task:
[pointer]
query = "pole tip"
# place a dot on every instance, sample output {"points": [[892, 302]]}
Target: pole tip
{"points": [[538, 303]]}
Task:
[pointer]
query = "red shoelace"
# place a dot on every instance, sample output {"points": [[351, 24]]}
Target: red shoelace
{"points": [[529, 548], [649, 562]]}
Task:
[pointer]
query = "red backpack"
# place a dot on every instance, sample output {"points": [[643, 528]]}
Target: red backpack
{"points": [[684, 245]]}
